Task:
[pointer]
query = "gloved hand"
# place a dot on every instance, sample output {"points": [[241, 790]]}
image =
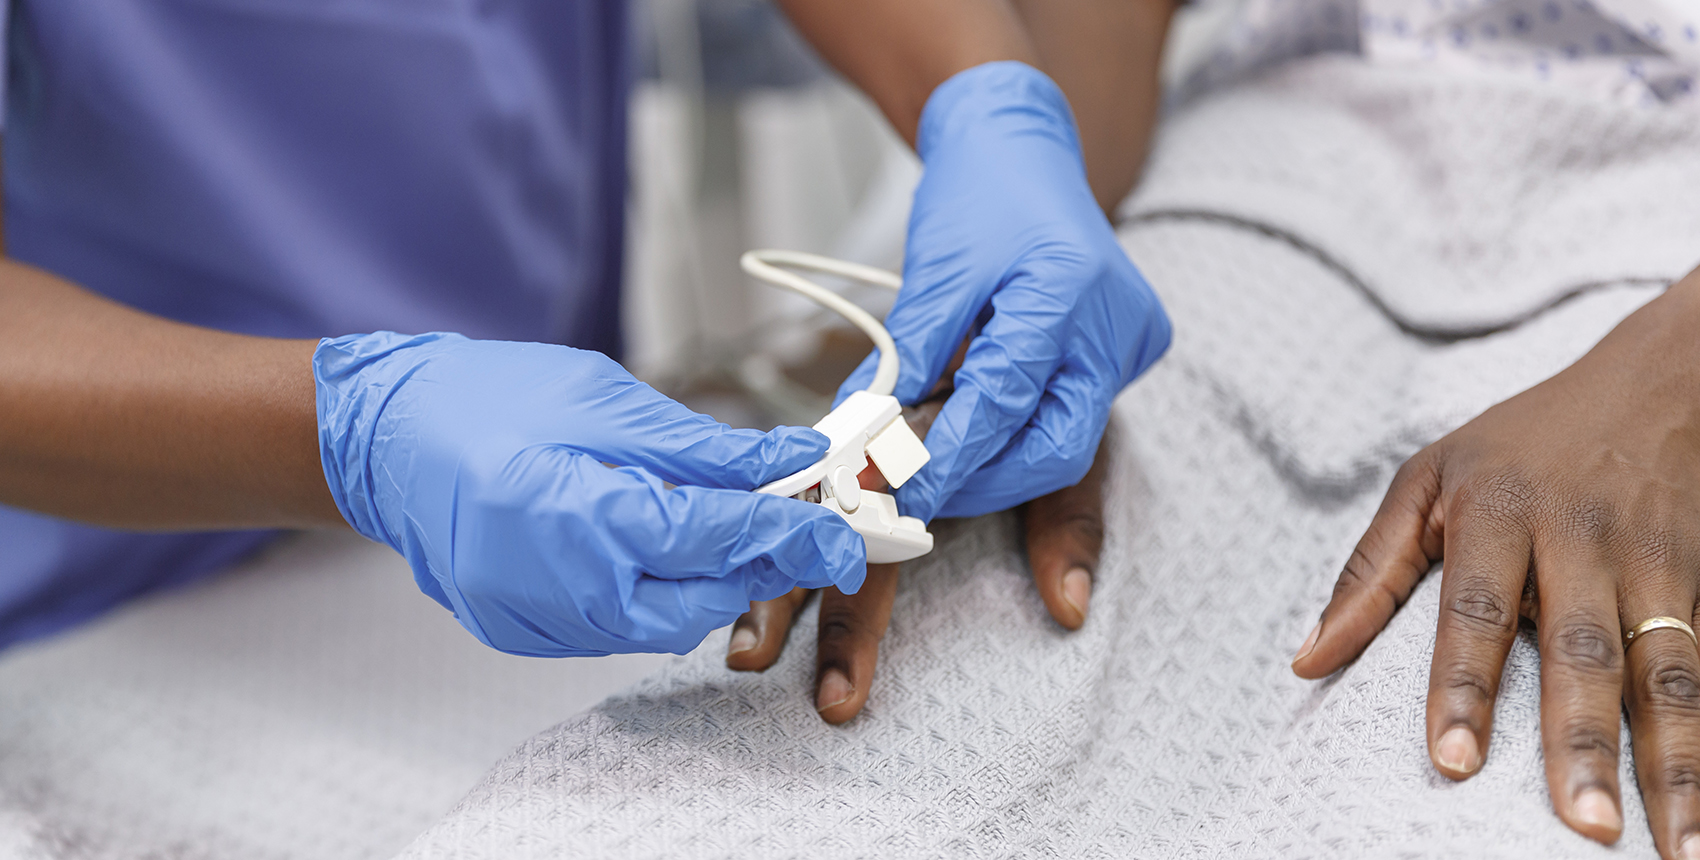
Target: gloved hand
{"points": [[1005, 235], [482, 462]]}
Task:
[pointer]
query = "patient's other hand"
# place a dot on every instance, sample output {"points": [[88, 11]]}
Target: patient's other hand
{"points": [[1575, 504], [1065, 531]]}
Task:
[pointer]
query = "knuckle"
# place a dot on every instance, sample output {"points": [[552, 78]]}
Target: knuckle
{"points": [[1465, 682], [1409, 470], [1359, 575], [1505, 496], [1356, 572], [1672, 687], [1482, 608], [1086, 527], [1590, 521], [1417, 470], [1588, 646], [1658, 550], [839, 626], [1587, 739], [1679, 774]]}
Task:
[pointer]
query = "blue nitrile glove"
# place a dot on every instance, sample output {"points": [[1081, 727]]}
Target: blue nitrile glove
{"points": [[1005, 234], [482, 462]]}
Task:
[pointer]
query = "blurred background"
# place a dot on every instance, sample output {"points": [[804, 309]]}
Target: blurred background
{"points": [[742, 138]]}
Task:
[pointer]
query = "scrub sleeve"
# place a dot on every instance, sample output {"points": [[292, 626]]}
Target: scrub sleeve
{"points": [[306, 169]]}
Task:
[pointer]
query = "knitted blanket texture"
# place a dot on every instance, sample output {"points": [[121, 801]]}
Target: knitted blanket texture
{"points": [[1357, 259]]}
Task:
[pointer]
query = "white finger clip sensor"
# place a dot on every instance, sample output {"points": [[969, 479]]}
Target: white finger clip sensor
{"points": [[865, 427], [868, 425]]}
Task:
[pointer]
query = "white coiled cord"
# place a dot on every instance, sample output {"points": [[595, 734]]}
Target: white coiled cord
{"points": [[765, 266]]}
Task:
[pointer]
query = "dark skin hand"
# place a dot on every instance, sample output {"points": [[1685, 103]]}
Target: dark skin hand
{"points": [[1575, 505], [1104, 54], [1065, 532]]}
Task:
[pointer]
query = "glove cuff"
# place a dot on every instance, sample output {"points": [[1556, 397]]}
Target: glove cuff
{"points": [[353, 377], [1009, 95]]}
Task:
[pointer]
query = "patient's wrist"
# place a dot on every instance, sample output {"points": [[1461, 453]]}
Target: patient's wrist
{"points": [[1656, 349]]}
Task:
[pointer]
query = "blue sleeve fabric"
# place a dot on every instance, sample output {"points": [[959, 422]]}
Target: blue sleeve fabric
{"points": [[311, 169], [5, 28], [304, 169], [55, 574]]}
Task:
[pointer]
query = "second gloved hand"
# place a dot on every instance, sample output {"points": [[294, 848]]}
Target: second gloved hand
{"points": [[1006, 238], [483, 463]]}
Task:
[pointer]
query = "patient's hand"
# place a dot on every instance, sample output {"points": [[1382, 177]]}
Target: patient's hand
{"points": [[1064, 532], [1575, 504]]}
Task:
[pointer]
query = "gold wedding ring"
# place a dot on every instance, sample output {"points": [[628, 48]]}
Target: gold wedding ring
{"points": [[1661, 622]]}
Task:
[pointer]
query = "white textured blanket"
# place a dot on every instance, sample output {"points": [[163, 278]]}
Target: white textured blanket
{"points": [[1356, 259]]}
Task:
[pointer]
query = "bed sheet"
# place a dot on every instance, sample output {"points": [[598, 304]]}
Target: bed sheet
{"points": [[1293, 226], [311, 704]]}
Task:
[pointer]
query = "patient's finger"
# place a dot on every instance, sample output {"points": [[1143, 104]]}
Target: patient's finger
{"points": [[1402, 542], [851, 627], [1065, 532], [758, 636], [1581, 688], [1487, 563], [1662, 690]]}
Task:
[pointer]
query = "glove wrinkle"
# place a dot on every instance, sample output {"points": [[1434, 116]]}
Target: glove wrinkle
{"points": [[1005, 233], [481, 462]]}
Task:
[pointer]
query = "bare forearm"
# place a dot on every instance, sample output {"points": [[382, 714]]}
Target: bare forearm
{"points": [[898, 51], [1103, 53], [1106, 56], [112, 416]]}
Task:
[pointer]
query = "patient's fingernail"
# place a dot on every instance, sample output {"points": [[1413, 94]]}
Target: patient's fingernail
{"points": [[834, 690], [1077, 590], [743, 639], [1457, 751], [1310, 643], [1690, 848], [1594, 808]]}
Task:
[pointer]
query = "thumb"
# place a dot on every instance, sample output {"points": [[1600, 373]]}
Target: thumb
{"points": [[1403, 541]]}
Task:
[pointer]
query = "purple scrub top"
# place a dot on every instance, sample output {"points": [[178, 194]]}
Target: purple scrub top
{"points": [[306, 168]]}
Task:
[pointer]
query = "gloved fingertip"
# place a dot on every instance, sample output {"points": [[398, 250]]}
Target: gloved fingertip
{"points": [[792, 441], [918, 498], [791, 449], [851, 579], [844, 552]]}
